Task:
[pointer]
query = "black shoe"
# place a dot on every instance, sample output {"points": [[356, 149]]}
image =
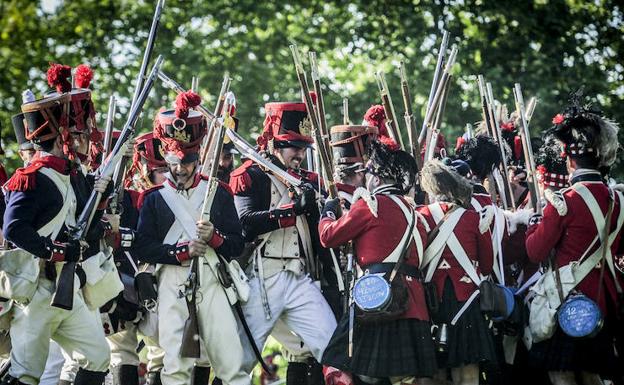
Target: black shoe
{"points": [[125, 375], [88, 377], [153, 378], [297, 373], [200, 375]]}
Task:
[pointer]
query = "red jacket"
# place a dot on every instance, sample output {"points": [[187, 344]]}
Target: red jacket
{"points": [[570, 234], [374, 238], [477, 245]]}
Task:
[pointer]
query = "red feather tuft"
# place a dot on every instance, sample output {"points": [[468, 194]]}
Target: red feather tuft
{"points": [[313, 97], [460, 143], [389, 142], [376, 117], [518, 151], [558, 119], [184, 102], [84, 75], [509, 126], [57, 77]]}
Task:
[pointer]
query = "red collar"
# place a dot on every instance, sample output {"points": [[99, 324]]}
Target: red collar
{"points": [[25, 178]]}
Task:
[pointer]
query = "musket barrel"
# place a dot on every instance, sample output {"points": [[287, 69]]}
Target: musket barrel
{"points": [[345, 111], [434, 84], [508, 199], [110, 120], [525, 135], [386, 100], [149, 48]]}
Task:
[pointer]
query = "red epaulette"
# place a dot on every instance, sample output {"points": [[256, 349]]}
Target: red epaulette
{"points": [[143, 194], [240, 180], [24, 179], [134, 197]]}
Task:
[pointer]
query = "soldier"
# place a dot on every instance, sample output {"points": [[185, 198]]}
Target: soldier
{"points": [[167, 210], [285, 263], [386, 233], [35, 197], [572, 218], [459, 253], [350, 148], [148, 170]]}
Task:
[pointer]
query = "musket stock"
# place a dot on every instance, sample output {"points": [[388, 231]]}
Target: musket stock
{"points": [[386, 101], [410, 119], [320, 105]]}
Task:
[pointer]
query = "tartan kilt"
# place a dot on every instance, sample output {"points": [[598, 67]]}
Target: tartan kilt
{"points": [[564, 353], [471, 340], [397, 348]]}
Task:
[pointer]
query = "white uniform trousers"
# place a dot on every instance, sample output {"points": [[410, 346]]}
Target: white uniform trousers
{"points": [[155, 354], [123, 345], [76, 331], [220, 345], [295, 300], [293, 348]]}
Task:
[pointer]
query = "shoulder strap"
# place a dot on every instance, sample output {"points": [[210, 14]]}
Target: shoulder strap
{"points": [[53, 227], [445, 226], [185, 211], [405, 241]]}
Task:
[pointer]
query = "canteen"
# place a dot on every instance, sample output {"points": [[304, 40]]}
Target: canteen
{"points": [[371, 292], [580, 317]]}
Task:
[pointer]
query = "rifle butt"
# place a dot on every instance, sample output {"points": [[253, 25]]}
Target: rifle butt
{"points": [[190, 338], [64, 295]]}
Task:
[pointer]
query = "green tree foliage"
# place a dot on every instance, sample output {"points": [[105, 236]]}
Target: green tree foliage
{"points": [[551, 47]]}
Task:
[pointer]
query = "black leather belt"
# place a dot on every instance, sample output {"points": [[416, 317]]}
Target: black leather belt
{"points": [[406, 269]]}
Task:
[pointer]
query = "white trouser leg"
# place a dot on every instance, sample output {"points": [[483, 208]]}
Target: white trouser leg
{"points": [[70, 367], [31, 329], [253, 309], [307, 313], [53, 365], [81, 335], [219, 332], [172, 315], [123, 346], [155, 354], [293, 348]]}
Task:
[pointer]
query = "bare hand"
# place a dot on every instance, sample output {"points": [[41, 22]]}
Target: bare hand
{"points": [[101, 184], [113, 219], [197, 248], [128, 150], [205, 230]]}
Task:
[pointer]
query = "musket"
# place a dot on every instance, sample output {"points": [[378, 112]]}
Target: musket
{"points": [[147, 54], [438, 97], [386, 102], [323, 150], [486, 119], [209, 143], [434, 85], [120, 170], [350, 301], [530, 109], [469, 130], [345, 111], [506, 190], [248, 151], [175, 86], [437, 122], [110, 123], [529, 160], [190, 342], [194, 84], [410, 119], [320, 105], [64, 294]]}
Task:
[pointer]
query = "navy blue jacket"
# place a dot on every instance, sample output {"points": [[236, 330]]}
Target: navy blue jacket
{"points": [[26, 211], [156, 218]]}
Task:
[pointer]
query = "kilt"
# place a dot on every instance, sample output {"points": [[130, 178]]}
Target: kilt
{"points": [[397, 348], [564, 353], [471, 340]]}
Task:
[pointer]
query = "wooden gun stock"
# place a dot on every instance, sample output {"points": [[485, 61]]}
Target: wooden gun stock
{"points": [[64, 295]]}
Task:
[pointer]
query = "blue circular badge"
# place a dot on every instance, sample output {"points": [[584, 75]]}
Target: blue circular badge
{"points": [[371, 292], [579, 317]]}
